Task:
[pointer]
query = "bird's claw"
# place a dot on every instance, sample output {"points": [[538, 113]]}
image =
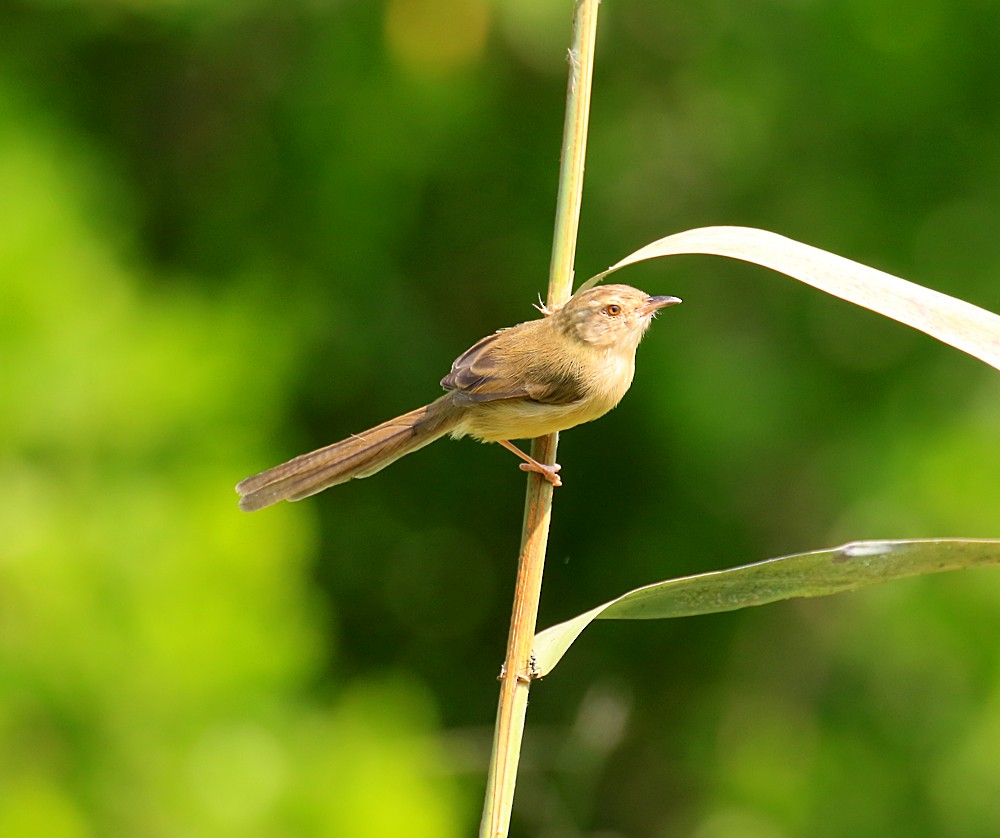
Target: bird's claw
{"points": [[549, 473]]}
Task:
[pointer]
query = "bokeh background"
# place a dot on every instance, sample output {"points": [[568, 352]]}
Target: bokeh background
{"points": [[234, 231]]}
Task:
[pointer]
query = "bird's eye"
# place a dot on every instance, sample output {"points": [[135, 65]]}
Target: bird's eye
{"points": [[613, 310]]}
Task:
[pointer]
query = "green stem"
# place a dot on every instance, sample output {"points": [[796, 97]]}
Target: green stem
{"points": [[517, 673]]}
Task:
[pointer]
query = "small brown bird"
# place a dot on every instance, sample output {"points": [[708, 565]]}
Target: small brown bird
{"points": [[570, 367]]}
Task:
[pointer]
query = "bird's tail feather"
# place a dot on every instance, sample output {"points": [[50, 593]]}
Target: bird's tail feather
{"points": [[360, 455]]}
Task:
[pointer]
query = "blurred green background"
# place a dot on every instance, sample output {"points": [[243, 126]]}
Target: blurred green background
{"points": [[234, 231]]}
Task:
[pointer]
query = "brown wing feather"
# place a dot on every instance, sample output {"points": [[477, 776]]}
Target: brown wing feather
{"points": [[474, 375], [483, 373], [556, 389]]}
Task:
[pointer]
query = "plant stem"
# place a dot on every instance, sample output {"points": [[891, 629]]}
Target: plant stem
{"points": [[517, 672], [574, 152]]}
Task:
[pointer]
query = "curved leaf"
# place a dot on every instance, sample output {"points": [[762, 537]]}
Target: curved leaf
{"points": [[956, 322], [820, 573]]}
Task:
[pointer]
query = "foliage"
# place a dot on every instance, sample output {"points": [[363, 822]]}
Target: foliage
{"points": [[231, 232]]}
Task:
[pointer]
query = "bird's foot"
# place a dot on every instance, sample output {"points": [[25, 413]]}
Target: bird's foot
{"points": [[550, 473], [531, 464]]}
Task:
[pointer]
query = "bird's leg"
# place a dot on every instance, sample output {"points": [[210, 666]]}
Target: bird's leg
{"points": [[531, 464]]}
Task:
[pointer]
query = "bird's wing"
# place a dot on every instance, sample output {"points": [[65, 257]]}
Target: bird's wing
{"points": [[483, 374]]}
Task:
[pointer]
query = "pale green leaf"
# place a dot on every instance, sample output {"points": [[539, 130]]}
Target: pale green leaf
{"points": [[820, 573], [955, 322]]}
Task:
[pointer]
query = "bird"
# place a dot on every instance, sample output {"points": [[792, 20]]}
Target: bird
{"points": [[570, 366]]}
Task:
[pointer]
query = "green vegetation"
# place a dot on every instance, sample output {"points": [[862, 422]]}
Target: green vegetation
{"points": [[232, 232]]}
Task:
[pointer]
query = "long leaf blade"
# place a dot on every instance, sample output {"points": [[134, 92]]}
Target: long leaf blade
{"points": [[960, 324], [819, 573]]}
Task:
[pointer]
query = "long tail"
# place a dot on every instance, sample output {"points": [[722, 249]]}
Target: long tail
{"points": [[360, 455]]}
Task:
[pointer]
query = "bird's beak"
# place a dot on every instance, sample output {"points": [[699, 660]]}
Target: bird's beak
{"points": [[654, 304]]}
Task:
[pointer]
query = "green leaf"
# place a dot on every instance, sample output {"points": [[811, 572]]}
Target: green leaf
{"points": [[955, 322], [820, 573]]}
